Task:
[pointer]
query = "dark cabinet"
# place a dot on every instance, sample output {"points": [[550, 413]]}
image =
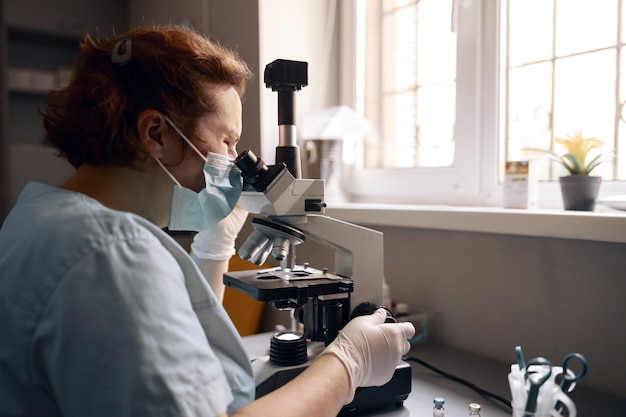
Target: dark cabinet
{"points": [[39, 43]]}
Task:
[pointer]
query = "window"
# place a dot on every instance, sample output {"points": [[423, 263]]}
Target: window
{"points": [[556, 77], [454, 88], [409, 81]]}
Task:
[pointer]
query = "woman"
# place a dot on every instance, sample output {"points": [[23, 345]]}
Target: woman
{"points": [[101, 312]]}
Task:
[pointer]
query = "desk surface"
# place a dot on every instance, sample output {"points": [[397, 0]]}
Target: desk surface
{"points": [[486, 373]]}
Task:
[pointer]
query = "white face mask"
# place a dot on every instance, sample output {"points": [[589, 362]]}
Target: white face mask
{"points": [[198, 211]]}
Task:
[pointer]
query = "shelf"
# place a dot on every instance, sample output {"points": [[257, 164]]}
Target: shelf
{"points": [[40, 40], [26, 91], [36, 81], [63, 20], [42, 37]]}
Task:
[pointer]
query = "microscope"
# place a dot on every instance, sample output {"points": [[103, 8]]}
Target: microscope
{"points": [[292, 210]]}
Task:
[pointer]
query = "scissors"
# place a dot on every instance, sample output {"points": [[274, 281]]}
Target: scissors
{"points": [[536, 379], [520, 358], [569, 378]]}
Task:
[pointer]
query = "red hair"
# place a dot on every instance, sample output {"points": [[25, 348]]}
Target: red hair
{"points": [[93, 119]]}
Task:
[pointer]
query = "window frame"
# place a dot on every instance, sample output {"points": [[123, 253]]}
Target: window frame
{"points": [[473, 179]]}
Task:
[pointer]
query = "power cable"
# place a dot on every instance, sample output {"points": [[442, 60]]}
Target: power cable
{"points": [[462, 381]]}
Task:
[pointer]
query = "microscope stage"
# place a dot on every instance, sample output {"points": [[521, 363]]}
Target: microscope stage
{"points": [[277, 284]]}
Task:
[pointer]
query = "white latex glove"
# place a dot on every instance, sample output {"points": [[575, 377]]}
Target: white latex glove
{"points": [[370, 349], [218, 242]]}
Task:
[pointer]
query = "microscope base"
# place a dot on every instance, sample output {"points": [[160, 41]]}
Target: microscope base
{"points": [[390, 395]]}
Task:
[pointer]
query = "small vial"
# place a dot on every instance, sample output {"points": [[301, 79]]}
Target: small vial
{"points": [[386, 295], [438, 409], [474, 409], [402, 311]]}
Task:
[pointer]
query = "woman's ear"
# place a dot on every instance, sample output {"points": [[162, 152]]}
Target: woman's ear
{"points": [[151, 125]]}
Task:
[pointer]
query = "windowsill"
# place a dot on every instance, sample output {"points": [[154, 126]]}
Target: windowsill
{"points": [[603, 226]]}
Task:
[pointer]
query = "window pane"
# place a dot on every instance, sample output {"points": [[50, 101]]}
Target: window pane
{"points": [[529, 106], [621, 138], [391, 5], [530, 31], [585, 99], [435, 122], [584, 25], [585, 94], [399, 50], [436, 43], [399, 147], [622, 24], [417, 79], [546, 96]]}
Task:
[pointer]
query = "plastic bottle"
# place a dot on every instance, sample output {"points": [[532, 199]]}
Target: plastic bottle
{"points": [[438, 409], [474, 409]]}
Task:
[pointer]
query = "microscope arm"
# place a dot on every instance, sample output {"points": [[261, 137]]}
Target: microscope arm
{"points": [[358, 252]]}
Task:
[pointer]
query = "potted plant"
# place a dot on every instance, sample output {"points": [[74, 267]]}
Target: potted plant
{"points": [[579, 189]]}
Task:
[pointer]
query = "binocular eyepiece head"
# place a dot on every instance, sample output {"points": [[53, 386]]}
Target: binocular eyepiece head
{"points": [[255, 172]]}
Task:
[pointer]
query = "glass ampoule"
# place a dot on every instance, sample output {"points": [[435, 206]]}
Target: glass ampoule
{"points": [[438, 408], [474, 410]]}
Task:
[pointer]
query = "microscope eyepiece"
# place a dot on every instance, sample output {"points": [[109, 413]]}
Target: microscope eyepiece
{"points": [[255, 172], [252, 167]]}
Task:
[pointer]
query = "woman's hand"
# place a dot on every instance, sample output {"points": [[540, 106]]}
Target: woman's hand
{"points": [[370, 349]]}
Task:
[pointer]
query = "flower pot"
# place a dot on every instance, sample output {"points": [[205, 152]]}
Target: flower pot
{"points": [[579, 192]]}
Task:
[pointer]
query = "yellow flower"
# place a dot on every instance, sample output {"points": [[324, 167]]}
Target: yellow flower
{"points": [[578, 146]]}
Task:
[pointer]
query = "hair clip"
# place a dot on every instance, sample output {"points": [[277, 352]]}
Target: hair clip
{"points": [[117, 57]]}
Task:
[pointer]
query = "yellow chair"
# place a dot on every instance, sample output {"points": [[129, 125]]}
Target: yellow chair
{"points": [[244, 311]]}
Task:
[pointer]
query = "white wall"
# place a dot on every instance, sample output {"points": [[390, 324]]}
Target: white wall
{"points": [[489, 293], [299, 31]]}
